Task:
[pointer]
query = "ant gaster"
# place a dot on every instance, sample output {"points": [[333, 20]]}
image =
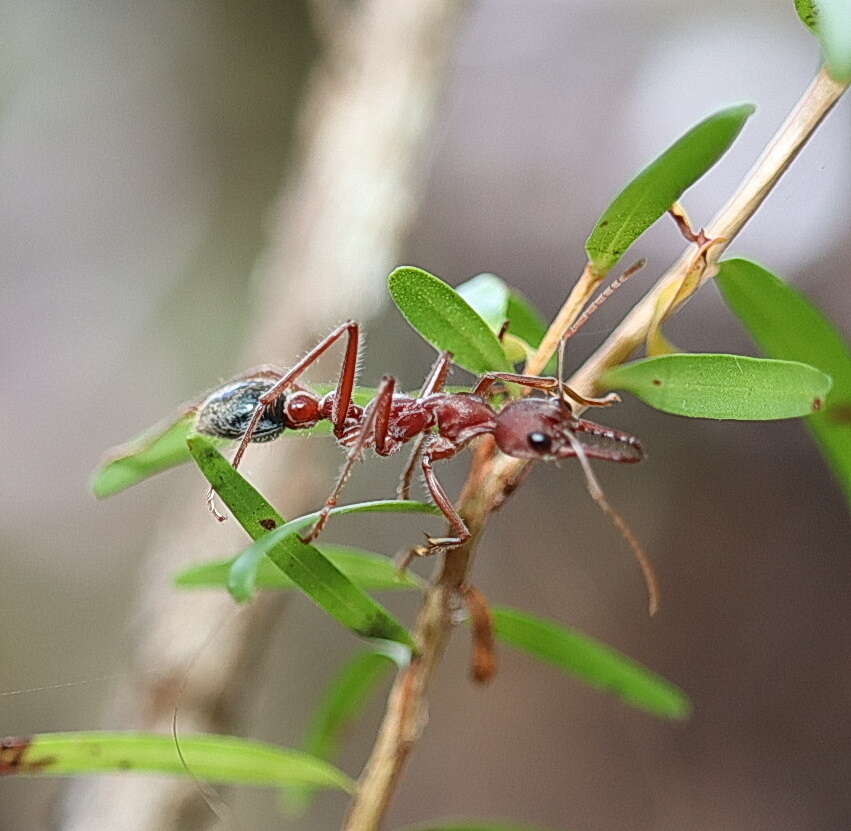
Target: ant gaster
{"points": [[260, 404]]}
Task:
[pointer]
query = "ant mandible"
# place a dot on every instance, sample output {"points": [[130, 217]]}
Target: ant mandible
{"points": [[263, 402]]}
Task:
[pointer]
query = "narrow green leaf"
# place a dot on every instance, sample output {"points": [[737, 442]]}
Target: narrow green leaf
{"points": [[593, 662], [723, 386], [372, 572], [242, 577], [446, 320], [786, 325], [830, 20], [652, 192], [341, 703], [163, 446], [225, 759], [315, 575], [157, 449], [488, 296]]}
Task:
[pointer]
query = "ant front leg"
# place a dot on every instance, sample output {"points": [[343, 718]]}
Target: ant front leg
{"points": [[374, 426], [547, 384]]}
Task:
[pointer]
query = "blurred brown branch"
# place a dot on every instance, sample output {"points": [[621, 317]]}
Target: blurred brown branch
{"points": [[335, 236]]}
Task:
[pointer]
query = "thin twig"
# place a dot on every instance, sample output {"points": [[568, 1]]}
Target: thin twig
{"points": [[493, 475]]}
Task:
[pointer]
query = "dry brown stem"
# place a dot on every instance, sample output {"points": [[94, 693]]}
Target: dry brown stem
{"points": [[494, 475]]}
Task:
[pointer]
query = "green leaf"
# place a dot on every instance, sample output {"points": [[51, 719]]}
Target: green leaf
{"points": [[315, 575], [593, 662], [242, 577], [786, 325], [157, 449], [723, 386], [340, 704], [446, 320], [830, 20], [488, 296], [652, 192], [163, 446], [213, 758], [525, 320], [369, 571]]}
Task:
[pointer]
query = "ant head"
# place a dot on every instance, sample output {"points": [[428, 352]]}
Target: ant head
{"points": [[535, 428]]}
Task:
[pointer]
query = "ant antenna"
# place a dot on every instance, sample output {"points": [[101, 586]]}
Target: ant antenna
{"points": [[213, 799], [619, 522], [601, 298]]}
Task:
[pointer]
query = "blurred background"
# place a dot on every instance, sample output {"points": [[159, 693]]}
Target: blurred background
{"points": [[146, 154]]}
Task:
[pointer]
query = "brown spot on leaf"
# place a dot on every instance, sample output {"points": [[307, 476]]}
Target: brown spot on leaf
{"points": [[268, 524], [817, 404], [840, 413], [657, 382], [13, 757], [604, 223]]}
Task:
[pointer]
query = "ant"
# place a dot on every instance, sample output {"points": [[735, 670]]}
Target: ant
{"points": [[261, 403]]}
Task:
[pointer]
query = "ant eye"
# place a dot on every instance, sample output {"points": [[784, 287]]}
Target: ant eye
{"points": [[539, 441]]}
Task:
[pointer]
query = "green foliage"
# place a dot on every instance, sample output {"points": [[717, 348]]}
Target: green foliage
{"points": [[830, 21], [163, 446], [315, 575], [446, 320], [225, 759], [242, 575], [497, 303], [157, 449], [487, 295], [807, 12], [723, 386], [341, 702], [526, 322], [369, 571], [653, 191], [593, 662], [786, 325]]}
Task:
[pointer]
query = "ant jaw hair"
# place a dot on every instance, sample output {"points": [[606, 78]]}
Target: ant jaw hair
{"points": [[596, 493]]}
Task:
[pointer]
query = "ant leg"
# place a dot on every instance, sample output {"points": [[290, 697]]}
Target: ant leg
{"points": [[536, 382], [456, 523], [288, 378], [545, 383], [437, 545], [344, 386], [434, 383], [605, 401], [377, 414]]}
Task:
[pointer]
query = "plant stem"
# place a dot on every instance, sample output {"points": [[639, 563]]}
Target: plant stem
{"points": [[494, 476]]}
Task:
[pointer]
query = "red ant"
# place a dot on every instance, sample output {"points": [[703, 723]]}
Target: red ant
{"points": [[260, 404]]}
